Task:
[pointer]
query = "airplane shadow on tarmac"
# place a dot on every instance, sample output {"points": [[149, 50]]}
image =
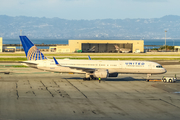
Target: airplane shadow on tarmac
{"points": [[111, 79], [124, 79]]}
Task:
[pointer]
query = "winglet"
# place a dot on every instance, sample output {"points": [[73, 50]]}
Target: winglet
{"points": [[89, 57], [56, 62]]}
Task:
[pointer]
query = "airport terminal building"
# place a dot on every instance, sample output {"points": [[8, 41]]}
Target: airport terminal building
{"points": [[100, 46], [94, 46]]}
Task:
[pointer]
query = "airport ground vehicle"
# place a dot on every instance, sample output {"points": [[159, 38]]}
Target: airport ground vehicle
{"points": [[164, 79], [169, 79]]}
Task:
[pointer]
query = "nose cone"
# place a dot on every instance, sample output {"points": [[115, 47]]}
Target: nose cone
{"points": [[164, 70]]}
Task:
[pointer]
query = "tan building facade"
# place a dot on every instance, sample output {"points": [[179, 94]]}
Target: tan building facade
{"points": [[1, 44], [101, 46], [177, 48]]}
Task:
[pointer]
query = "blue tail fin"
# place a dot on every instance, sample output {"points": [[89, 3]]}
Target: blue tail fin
{"points": [[32, 52], [56, 62], [89, 57]]}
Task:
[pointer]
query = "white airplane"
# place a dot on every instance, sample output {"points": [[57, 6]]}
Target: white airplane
{"points": [[92, 68]]}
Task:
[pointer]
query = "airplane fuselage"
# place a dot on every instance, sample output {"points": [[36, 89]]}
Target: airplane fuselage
{"points": [[135, 67]]}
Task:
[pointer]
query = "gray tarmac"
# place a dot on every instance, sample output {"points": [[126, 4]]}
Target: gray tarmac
{"points": [[28, 93]]}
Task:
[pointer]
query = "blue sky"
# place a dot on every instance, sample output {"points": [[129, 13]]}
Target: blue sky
{"points": [[90, 9]]}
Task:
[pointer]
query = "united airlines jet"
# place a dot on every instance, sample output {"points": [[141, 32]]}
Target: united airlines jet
{"points": [[91, 68]]}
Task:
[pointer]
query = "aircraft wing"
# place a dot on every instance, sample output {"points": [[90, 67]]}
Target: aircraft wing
{"points": [[89, 70]]}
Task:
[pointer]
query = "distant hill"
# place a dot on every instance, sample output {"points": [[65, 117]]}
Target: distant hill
{"points": [[35, 27]]}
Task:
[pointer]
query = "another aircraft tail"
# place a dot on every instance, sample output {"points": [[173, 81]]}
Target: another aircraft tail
{"points": [[32, 52], [89, 57]]}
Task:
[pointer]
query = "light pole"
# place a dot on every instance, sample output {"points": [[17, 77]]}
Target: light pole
{"points": [[173, 43], [165, 40]]}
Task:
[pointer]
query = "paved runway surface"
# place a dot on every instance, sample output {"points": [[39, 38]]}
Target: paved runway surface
{"points": [[28, 93]]}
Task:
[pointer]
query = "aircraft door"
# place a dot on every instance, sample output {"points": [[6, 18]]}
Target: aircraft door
{"points": [[120, 65], [150, 66]]}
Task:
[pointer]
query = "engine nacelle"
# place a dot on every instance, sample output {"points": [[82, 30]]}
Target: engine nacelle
{"points": [[101, 74], [113, 74]]}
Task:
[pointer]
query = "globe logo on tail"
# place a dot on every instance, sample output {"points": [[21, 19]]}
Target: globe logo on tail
{"points": [[35, 54]]}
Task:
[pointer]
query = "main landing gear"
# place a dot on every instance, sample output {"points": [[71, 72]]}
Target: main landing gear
{"points": [[91, 77]]}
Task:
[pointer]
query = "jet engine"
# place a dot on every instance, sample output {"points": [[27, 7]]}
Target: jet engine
{"points": [[113, 74], [101, 74]]}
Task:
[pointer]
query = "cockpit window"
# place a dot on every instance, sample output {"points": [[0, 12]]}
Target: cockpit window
{"points": [[159, 67]]}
